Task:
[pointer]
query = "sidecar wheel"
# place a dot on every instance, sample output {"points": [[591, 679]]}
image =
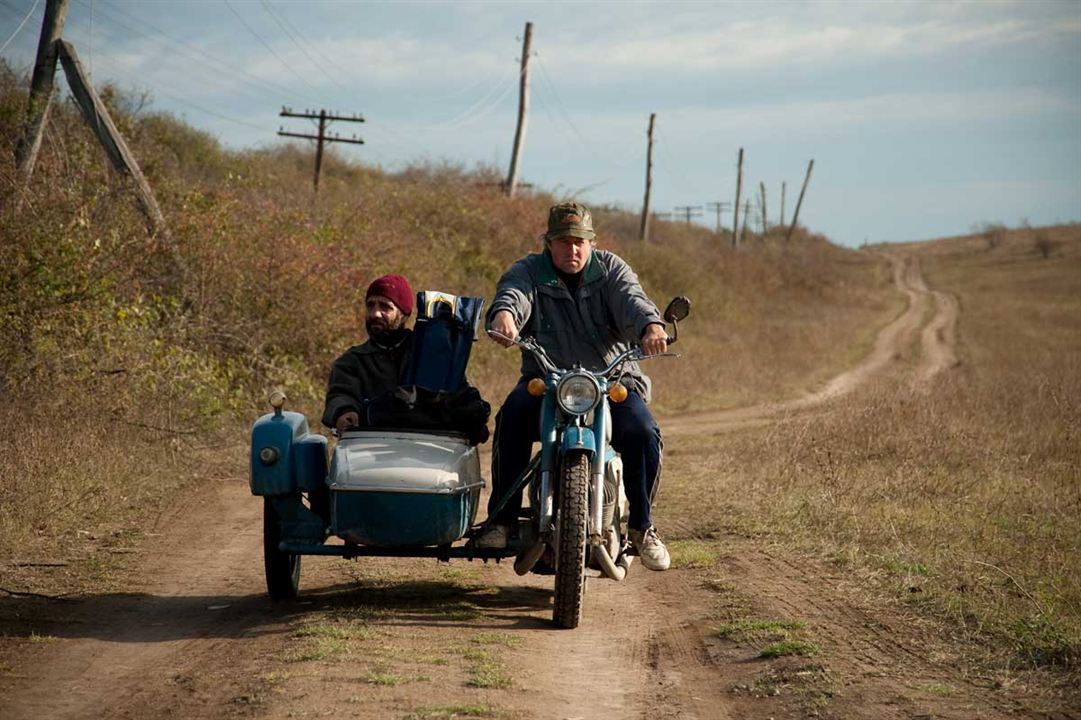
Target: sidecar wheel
{"points": [[571, 553], [282, 568]]}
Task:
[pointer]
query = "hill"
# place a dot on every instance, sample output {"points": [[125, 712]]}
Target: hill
{"points": [[120, 351]]}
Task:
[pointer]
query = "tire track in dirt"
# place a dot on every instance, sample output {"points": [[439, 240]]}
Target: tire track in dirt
{"points": [[939, 336], [937, 339], [135, 653]]}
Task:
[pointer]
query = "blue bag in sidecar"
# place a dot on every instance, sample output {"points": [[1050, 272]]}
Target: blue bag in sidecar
{"points": [[446, 329]]}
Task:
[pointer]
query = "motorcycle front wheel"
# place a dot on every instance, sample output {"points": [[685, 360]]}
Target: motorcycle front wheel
{"points": [[571, 553]]}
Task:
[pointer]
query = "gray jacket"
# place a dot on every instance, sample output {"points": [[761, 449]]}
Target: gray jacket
{"points": [[606, 314]]}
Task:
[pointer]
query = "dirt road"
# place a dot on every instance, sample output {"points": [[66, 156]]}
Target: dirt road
{"points": [[194, 636]]}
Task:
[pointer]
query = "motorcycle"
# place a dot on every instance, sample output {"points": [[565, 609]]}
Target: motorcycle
{"points": [[578, 511], [408, 492]]}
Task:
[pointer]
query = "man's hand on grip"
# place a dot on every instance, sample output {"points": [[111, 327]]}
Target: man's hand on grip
{"points": [[503, 324], [655, 339]]}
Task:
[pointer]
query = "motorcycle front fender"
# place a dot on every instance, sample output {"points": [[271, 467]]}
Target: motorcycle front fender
{"points": [[579, 438]]}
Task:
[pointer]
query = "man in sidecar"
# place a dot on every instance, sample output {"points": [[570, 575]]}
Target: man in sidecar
{"points": [[380, 384], [366, 371], [583, 306]]}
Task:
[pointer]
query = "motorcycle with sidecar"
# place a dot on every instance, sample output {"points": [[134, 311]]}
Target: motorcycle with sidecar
{"points": [[409, 492]]}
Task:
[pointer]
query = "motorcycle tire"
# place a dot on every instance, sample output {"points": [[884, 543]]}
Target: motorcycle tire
{"points": [[282, 568], [573, 529]]}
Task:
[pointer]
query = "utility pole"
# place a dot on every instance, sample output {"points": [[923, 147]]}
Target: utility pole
{"points": [[688, 212], [719, 207], [782, 204], [41, 88], [799, 203], [739, 191], [324, 119], [643, 231], [746, 213], [97, 117], [523, 112], [765, 218]]}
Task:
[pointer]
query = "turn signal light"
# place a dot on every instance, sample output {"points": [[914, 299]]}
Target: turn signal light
{"points": [[617, 393], [535, 387]]}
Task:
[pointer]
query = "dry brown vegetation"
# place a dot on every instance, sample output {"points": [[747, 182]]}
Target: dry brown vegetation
{"points": [[116, 368], [962, 497]]}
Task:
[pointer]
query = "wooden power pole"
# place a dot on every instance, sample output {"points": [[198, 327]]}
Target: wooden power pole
{"points": [[324, 119], [782, 204], [97, 117], [739, 191], [719, 208], [41, 87], [688, 212], [643, 230], [799, 202], [523, 112], [765, 217]]}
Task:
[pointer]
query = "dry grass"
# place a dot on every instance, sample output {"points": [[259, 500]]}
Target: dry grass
{"points": [[114, 365], [964, 495]]}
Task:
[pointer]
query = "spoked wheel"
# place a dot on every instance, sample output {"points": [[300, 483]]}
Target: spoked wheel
{"points": [[282, 568], [571, 551]]}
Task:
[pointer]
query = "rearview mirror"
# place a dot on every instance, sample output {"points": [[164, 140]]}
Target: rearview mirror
{"points": [[679, 308]]}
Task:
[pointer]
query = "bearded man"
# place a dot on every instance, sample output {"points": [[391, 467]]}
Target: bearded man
{"points": [[365, 372]]}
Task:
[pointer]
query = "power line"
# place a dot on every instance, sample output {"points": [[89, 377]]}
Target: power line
{"points": [[479, 109], [18, 29], [112, 69], [267, 46], [559, 101], [621, 161], [270, 11], [216, 65]]}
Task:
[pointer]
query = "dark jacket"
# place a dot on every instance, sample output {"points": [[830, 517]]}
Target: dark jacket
{"points": [[606, 314], [363, 373]]}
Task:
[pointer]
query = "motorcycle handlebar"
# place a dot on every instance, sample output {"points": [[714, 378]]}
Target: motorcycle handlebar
{"points": [[527, 343]]}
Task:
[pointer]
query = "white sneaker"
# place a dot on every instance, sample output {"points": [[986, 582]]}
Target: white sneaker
{"points": [[494, 538], [650, 548]]}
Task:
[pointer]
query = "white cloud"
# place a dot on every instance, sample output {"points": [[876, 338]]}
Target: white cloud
{"points": [[907, 108]]}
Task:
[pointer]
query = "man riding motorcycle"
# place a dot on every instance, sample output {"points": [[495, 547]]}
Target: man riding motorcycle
{"points": [[584, 306]]}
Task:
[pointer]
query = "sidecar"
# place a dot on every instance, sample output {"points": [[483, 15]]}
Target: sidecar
{"points": [[384, 491]]}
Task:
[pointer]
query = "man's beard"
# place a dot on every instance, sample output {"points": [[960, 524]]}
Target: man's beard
{"points": [[383, 333]]}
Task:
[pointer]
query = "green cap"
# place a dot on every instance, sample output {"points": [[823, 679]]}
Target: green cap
{"points": [[571, 218]]}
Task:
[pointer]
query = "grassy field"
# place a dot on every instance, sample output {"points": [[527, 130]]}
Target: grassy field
{"points": [[961, 496]]}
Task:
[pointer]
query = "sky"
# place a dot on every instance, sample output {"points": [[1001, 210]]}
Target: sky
{"points": [[924, 119]]}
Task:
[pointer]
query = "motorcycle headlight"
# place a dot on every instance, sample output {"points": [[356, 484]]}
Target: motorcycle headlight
{"points": [[578, 393]]}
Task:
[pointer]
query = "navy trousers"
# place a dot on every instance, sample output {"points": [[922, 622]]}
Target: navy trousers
{"points": [[635, 436]]}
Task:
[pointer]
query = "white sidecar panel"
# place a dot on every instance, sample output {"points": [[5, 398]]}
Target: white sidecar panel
{"points": [[396, 488], [395, 461]]}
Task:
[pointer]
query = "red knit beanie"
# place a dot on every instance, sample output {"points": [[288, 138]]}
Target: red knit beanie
{"points": [[394, 288]]}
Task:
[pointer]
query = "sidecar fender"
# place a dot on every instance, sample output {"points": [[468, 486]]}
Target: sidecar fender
{"points": [[286, 456], [579, 438]]}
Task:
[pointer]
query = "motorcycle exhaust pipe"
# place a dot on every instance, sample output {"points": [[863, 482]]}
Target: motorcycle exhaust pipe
{"points": [[528, 558], [615, 570], [596, 504]]}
